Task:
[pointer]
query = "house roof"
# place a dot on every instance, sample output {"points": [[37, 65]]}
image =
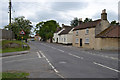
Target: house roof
{"points": [[110, 32], [66, 31], [91, 24], [58, 29]]}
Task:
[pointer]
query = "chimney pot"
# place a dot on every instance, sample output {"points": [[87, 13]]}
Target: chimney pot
{"points": [[104, 15]]}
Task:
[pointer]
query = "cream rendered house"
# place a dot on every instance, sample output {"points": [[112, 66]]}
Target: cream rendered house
{"points": [[56, 36], [66, 36]]}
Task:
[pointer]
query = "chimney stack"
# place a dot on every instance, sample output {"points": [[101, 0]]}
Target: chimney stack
{"points": [[104, 15], [79, 21], [63, 25]]}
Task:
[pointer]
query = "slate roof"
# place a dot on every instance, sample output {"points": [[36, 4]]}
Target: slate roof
{"points": [[91, 24], [66, 31], [111, 32], [58, 29]]}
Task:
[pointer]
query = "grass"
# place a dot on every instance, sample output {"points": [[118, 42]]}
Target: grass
{"points": [[4, 42], [14, 74]]}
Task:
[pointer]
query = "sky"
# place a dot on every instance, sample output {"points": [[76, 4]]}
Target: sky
{"points": [[63, 11]]}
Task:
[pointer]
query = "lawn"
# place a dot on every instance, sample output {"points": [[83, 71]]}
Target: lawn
{"points": [[14, 74], [5, 50]]}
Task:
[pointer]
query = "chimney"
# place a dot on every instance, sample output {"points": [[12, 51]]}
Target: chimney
{"points": [[63, 25], [104, 15], [79, 21]]}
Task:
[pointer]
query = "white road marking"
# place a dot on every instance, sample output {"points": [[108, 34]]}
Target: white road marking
{"points": [[106, 67], [38, 55], [53, 47], [19, 60], [49, 62], [75, 56], [60, 75], [60, 50], [113, 58]]}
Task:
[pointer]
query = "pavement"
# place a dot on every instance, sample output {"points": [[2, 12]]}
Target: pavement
{"points": [[48, 60], [13, 53]]}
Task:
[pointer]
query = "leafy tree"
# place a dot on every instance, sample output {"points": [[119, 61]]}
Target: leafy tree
{"points": [[87, 20], [46, 29], [114, 23], [74, 22], [17, 25]]}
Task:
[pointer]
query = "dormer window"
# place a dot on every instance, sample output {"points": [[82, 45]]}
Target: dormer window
{"points": [[87, 31], [77, 33]]}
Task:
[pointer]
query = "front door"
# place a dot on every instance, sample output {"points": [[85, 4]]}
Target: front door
{"points": [[57, 40], [80, 42]]}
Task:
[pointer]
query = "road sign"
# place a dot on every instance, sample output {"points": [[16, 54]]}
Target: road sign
{"points": [[22, 32]]}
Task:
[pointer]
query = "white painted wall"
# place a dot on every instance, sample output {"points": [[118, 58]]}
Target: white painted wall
{"points": [[66, 38]]}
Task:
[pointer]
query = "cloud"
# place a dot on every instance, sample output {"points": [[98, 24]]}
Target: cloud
{"points": [[67, 6]]}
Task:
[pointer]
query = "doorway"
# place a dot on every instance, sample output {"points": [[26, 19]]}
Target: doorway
{"points": [[80, 42]]}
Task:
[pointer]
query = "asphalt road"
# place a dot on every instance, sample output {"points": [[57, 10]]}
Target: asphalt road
{"points": [[48, 60]]}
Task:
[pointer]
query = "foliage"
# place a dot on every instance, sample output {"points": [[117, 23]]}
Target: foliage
{"points": [[74, 22], [87, 20], [115, 23], [46, 29], [17, 25]]}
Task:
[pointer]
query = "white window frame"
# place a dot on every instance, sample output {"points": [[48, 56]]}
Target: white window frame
{"points": [[87, 31], [77, 33], [77, 40], [87, 41]]}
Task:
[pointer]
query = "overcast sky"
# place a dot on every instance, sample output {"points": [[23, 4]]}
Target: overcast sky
{"points": [[63, 11]]}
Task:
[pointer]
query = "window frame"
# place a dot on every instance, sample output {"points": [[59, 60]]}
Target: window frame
{"points": [[87, 40], [87, 31], [77, 40]]}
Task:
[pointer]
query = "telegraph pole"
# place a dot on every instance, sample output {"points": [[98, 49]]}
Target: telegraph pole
{"points": [[10, 12]]}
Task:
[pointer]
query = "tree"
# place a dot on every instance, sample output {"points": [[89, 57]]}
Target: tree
{"points": [[87, 20], [17, 25], [74, 22], [114, 23], [46, 29]]}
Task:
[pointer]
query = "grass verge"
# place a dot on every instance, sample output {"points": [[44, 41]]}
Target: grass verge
{"points": [[5, 50], [14, 74]]}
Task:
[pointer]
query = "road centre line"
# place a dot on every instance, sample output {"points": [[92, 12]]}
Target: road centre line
{"points": [[75, 56], [106, 67], [60, 50], [49, 62]]}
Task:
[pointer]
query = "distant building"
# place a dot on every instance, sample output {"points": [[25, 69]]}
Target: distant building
{"points": [[98, 34], [64, 35]]}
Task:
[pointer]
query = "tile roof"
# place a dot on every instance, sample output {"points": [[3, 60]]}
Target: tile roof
{"points": [[87, 25], [111, 32], [66, 31]]}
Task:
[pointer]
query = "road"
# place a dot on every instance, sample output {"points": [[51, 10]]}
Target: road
{"points": [[48, 60]]}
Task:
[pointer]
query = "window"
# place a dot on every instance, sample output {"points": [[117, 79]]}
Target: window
{"points": [[86, 40], [87, 31], [77, 40], [76, 33]]}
